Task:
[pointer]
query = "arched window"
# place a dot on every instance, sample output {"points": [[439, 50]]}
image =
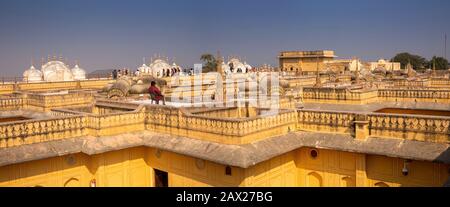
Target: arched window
{"points": [[348, 182], [314, 180], [72, 182], [381, 184]]}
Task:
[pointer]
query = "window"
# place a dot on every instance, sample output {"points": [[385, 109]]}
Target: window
{"points": [[314, 153], [228, 170], [161, 179]]}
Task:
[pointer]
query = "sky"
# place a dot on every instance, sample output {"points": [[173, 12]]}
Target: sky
{"points": [[103, 34]]}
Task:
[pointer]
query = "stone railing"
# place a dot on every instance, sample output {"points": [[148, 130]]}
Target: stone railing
{"points": [[411, 127], [44, 102], [110, 124], [227, 130], [326, 121], [64, 85], [6, 88], [11, 103], [45, 86], [423, 95], [243, 130], [33, 131], [337, 94], [440, 82]]}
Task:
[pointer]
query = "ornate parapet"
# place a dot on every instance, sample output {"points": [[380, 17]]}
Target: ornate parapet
{"points": [[6, 88], [410, 127], [326, 121], [64, 85], [45, 102], [232, 125], [440, 82], [400, 95], [339, 95], [34, 131], [223, 130], [364, 125], [118, 123], [11, 103]]}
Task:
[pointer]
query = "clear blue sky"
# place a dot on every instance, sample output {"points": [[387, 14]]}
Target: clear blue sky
{"points": [[110, 33]]}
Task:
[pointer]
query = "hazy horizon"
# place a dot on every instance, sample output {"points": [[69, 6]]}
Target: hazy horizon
{"points": [[110, 34]]}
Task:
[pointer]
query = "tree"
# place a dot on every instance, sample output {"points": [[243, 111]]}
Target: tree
{"points": [[440, 62], [209, 64], [416, 61]]}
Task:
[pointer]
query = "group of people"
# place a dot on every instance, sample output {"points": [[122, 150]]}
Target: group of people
{"points": [[170, 72], [118, 73]]}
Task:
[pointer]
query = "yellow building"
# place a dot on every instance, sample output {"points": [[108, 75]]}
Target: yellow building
{"points": [[304, 62], [379, 137]]}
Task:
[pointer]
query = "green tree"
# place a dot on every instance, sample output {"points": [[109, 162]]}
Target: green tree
{"points": [[416, 61], [441, 63], [209, 62]]}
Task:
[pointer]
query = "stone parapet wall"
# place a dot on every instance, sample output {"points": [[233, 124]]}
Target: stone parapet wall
{"points": [[35, 131], [334, 95], [6, 88], [224, 130], [395, 126], [410, 127], [9, 88], [11, 103], [45, 102], [414, 95], [326, 121], [345, 96]]}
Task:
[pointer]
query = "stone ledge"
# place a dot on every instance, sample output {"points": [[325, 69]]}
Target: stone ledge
{"points": [[243, 156]]}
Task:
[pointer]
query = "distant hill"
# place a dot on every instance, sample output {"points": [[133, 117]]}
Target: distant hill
{"points": [[105, 73]]}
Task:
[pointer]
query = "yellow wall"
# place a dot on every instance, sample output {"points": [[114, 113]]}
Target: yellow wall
{"points": [[134, 167]]}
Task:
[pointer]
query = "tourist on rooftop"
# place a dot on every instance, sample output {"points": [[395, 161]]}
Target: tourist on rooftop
{"points": [[114, 74], [155, 93]]}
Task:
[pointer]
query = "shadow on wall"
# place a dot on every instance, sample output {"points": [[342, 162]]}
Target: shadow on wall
{"points": [[445, 158]]}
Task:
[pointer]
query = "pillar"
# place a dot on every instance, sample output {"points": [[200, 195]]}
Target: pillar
{"points": [[361, 173], [361, 127]]}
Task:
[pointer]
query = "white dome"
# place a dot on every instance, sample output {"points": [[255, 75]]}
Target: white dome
{"points": [[78, 73], [144, 69], [249, 67], [237, 64], [56, 71], [158, 66], [32, 75]]}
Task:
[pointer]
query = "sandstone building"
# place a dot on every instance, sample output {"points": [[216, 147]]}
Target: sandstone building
{"points": [[360, 129]]}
